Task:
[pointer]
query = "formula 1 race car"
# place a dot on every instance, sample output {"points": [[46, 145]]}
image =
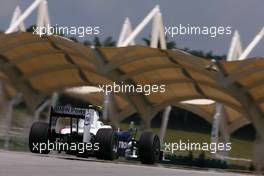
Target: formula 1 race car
{"points": [[79, 132]]}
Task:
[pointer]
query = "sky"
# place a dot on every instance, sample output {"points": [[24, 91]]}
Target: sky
{"points": [[246, 16]]}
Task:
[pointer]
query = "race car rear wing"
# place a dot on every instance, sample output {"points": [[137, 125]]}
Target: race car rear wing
{"points": [[71, 112], [68, 111]]}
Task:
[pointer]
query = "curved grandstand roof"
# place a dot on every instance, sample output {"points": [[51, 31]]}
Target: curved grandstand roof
{"points": [[38, 66]]}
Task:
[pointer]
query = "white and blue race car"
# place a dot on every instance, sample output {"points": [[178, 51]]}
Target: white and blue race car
{"points": [[70, 127]]}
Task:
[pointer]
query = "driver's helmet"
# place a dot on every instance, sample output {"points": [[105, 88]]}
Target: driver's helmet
{"points": [[100, 108]]}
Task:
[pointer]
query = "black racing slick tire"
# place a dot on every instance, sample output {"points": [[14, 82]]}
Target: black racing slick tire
{"points": [[108, 144], [39, 135], [149, 148]]}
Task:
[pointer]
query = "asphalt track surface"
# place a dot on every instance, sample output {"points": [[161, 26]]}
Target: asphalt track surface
{"points": [[27, 164]]}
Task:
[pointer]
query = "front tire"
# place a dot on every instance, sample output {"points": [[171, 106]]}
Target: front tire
{"points": [[108, 144], [39, 134], [149, 148]]}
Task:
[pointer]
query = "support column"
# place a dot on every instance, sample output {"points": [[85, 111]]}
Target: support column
{"points": [[215, 125], [258, 154], [5, 113], [41, 108], [110, 110], [113, 110], [106, 106], [10, 106], [2, 98], [220, 124], [164, 123], [8, 124], [225, 134], [54, 99]]}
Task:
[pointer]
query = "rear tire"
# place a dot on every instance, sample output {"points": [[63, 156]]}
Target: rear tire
{"points": [[108, 144], [39, 133], [149, 148]]}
